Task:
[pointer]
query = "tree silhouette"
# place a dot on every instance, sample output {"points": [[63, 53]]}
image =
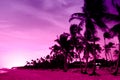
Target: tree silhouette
{"points": [[56, 49], [108, 49], [116, 5], [77, 41], [93, 12], [66, 47], [94, 15], [115, 31], [106, 35], [57, 56]]}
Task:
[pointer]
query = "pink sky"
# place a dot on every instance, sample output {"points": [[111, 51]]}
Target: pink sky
{"points": [[29, 27]]}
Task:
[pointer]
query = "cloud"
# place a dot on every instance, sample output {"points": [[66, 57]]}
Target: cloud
{"points": [[29, 14], [34, 20], [30, 26]]}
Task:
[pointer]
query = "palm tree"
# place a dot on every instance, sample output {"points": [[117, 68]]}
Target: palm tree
{"points": [[57, 59], [94, 14], [27, 64], [106, 35], [66, 47], [115, 31], [116, 5], [108, 49], [55, 49], [77, 41], [81, 43], [87, 51]]}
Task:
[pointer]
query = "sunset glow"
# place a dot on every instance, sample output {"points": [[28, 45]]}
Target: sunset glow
{"points": [[29, 27]]}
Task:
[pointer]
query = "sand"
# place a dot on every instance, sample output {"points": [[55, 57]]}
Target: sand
{"points": [[72, 74]]}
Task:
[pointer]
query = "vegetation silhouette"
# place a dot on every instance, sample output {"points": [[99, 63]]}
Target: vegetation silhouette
{"points": [[116, 32], [66, 47], [69, 47], [106, 35], [92, 15]]}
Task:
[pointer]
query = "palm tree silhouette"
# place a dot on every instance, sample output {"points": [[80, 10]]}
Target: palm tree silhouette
{"points": [[106, 35], [55, 49], [116, 5], [88, 46], [108, 49], [66, 47], [27, 63], [94, 14], [87, 51], [115, 31], [77, 41]]}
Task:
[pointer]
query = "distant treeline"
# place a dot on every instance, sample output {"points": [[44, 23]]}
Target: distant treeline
{"points": [[69, 46]]}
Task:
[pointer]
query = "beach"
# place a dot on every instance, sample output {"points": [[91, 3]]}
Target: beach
{"points": [[72, 74]]}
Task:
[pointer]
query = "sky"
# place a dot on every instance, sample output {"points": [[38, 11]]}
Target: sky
{"points": [[29, 27]]}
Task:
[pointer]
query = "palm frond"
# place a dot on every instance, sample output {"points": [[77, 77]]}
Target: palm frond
{"points": [[79, 16], [118, 8], [116, 5], [101, 24], [90, 26], [98, 47], [107, 35], [115, 29], [74, 29], [110, 17], [94, 7]]}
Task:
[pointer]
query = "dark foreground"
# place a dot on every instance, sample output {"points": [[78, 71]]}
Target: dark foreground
{"points": [[72, 74]]}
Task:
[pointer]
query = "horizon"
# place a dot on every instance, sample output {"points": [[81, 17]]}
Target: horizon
{"points": [[29, 28]]}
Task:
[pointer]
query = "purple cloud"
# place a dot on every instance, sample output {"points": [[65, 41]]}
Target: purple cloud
{"points": [[29, 27]]}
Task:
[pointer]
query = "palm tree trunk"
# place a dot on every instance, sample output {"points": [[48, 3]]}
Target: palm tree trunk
{"points": [[65, 63], [117, 65], [105, 49], [111, 59], [86, 66], [80, 63], [111, 56], [94, 54], [105, 52], [94, 66]]}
